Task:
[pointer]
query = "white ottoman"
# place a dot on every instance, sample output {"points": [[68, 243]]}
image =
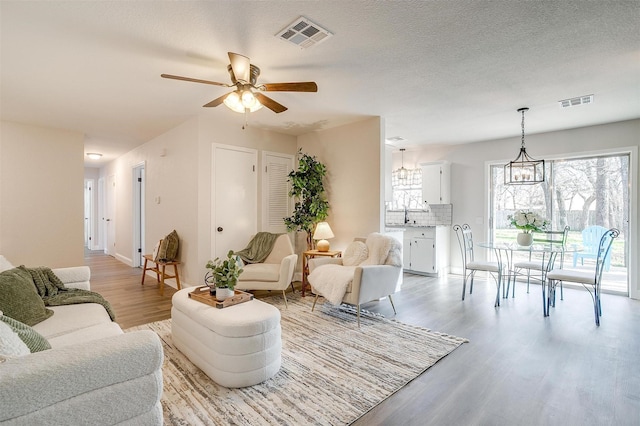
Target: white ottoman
{"points": [[236, 346]]}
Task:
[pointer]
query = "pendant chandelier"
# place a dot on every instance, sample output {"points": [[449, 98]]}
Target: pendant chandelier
{"points": [[403, 174], [524, 170]]}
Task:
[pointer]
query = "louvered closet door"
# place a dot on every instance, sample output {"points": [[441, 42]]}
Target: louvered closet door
{"points": [[276, 203]]}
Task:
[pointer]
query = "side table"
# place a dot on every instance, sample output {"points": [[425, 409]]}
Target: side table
{"points": [[306, 255]]}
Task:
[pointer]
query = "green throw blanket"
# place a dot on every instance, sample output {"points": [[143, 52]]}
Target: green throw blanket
{"points": [[258, 248], [54, 293]]}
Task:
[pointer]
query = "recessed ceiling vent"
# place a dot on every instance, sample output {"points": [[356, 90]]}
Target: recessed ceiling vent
{"points": [[580, 100], [303, 33]]}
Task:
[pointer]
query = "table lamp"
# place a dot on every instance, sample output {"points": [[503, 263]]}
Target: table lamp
{"points": [[322, 233]]}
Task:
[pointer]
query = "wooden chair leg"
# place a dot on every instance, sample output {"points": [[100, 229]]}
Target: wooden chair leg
{"points": [[162, 275], [144, 271], [314, 302], [175, 271], [358, 315], [284, 294]]}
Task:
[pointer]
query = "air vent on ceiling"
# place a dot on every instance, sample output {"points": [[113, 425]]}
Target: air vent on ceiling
{"points": [[303, 33], [580, 100]]}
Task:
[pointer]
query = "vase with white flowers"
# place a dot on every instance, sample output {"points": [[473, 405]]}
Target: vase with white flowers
{"points": [[527, 222], [225, 273]]}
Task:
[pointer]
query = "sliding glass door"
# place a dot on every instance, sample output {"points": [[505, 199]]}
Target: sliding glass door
{"points": [[581, 192]]}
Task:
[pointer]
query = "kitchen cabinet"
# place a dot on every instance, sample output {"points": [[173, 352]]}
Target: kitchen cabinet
{"points": [[436, 182], [426, 250]]}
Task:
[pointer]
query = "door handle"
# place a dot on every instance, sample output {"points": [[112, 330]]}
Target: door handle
{"points": [[108, 220], [220, 229]]}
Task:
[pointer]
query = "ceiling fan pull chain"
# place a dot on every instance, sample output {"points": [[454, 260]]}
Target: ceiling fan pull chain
{"points": [[246, 118]]}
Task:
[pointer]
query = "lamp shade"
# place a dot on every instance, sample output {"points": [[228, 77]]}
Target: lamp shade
{"points": [[322, 233]]}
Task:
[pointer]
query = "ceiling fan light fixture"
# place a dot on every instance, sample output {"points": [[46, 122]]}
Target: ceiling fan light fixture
{"points": [[240, 101]]}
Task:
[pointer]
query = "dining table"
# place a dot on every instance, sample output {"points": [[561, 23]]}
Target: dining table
{"points": [[546, 253]]}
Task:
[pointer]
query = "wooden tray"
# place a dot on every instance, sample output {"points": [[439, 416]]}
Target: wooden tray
{"points": [[201, 294]]}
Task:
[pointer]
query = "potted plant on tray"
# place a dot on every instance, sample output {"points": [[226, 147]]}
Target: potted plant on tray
{"points": [[224, 274]]}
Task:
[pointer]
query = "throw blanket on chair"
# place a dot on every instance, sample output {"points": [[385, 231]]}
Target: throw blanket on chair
{"points": [[54, 293], [332, 281], [258, 248]]}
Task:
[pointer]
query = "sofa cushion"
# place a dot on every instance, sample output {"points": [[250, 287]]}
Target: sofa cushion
{"points": [[169, 247], [71, 318], [11, 345], [5, 264], [260, 272], [355, 253], [19, 299], [34, 341]]}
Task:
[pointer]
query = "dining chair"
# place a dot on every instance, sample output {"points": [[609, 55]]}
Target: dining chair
{"points": [[470, 266], [543, 264], [590, 280]]}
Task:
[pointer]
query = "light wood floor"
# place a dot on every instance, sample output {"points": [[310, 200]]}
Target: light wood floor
{"points": [[518, 368]]}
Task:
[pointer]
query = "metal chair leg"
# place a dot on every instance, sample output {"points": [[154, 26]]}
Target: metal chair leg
{"points": [[285, 299], [392, 305], [314, 302]]}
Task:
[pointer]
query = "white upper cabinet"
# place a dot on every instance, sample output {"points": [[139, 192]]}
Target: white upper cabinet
{"points": [[436, 182]]}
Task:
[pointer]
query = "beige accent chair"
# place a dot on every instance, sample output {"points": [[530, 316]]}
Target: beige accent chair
{"points": [[275, 273], [372, 280]]}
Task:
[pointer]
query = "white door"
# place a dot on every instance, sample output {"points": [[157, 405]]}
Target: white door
{"points": [[276, 203], [234, 198], [138, 215], [109, 219]]}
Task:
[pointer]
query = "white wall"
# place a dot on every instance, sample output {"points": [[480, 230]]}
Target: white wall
{"points": [[41, 195], [354, 156], [469, 165], [178, 172]]}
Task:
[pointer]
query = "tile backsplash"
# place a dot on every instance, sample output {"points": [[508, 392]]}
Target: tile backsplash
{"points": [[439, 215]]}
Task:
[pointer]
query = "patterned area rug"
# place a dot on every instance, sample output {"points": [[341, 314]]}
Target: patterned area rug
{"points": [[332, 372]]}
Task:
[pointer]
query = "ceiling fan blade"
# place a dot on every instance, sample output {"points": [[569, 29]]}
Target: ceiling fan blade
{"points": [[304, 86], [270, 103], [216, 101], [195, 80], [240, 65]]}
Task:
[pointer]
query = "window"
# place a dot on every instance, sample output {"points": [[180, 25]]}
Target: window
{"points": [[407, 194], [578, 192]]}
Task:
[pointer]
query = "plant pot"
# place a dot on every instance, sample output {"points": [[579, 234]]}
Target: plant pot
{"points": [[525, 239], [223, 293]]}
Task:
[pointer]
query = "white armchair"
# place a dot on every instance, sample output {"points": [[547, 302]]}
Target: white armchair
{"points": [[366, 272], [274, 273]]}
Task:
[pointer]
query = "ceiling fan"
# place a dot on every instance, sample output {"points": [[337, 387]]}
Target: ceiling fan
{"points": [[248, 96]]}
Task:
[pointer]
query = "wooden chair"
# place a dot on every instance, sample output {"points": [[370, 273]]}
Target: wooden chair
{"points": [[590, 280], [159, 267]]}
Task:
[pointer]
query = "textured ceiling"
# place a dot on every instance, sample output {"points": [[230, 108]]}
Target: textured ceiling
{"points": [[437, 72]]}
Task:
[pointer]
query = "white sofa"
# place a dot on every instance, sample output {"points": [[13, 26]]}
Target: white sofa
{"points": [[275, 273], [93, 373]]}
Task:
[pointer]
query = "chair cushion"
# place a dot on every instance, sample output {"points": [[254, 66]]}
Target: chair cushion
{"points": [[260, 272], [19, 298], [355, 253], [572, 276], [281, 249], [529, 264], [483, 266]]}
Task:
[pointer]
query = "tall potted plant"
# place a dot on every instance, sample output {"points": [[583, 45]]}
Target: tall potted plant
{"points": [[307, 188]]}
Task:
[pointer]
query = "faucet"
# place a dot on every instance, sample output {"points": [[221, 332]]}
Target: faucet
{"points": [[406, 215]]}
